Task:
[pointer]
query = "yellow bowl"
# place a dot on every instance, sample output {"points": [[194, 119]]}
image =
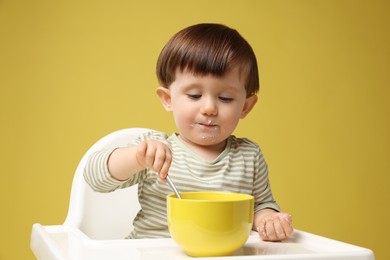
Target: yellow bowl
{"points": [[210, 223]]}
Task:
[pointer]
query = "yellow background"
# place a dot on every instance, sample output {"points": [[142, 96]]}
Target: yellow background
{"points": [[73, 71]]}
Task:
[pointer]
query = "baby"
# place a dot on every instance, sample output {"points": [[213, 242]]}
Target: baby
{"points": [[208, 78]]}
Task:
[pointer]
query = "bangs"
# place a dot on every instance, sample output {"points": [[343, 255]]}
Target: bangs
{"points": [[210, 53], [205, 50]]}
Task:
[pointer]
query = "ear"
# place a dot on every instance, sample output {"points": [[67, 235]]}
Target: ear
{"points": [[250, 102], [165, 97]]}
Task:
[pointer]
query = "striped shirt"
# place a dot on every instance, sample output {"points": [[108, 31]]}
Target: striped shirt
{"points": [[239, 168]]}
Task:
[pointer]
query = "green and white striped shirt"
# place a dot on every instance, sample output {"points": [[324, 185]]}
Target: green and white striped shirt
{"points": [[239, 168]]}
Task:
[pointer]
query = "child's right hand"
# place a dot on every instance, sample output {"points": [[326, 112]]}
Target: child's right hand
{"points": [[156, 156]]}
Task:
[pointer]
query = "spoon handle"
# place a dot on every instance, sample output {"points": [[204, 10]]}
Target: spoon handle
{"points": [[173, 187]]}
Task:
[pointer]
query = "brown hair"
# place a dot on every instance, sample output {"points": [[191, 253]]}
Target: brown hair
{"points": [[205, 49]]}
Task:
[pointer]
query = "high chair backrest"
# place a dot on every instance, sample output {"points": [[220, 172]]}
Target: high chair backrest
{"points": [[103, 215]]}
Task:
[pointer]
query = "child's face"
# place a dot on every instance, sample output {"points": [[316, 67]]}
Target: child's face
{"points": [[207, 109]]}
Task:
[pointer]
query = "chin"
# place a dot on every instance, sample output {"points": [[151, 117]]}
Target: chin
{"points": [[209, 140]]}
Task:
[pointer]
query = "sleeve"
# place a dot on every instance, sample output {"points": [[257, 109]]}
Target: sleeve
{"points": [[96, 172], [261, 188], [98, 177]]}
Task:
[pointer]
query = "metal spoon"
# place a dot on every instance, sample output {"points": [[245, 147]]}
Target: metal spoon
{"points": [[173, 187]]}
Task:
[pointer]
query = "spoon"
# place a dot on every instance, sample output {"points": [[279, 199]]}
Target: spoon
{"points": [[173, 187]]}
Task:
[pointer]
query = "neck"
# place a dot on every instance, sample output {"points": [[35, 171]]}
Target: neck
{"points": [[207, 152]]}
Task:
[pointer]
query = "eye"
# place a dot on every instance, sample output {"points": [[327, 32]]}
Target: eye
{"points": [[194, 96], [226, 99]]}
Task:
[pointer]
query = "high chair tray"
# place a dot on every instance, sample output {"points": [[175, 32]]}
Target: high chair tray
{"points": [[68, 242]]}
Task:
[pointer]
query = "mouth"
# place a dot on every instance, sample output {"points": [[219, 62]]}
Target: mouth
{"points": [[208, 124]]}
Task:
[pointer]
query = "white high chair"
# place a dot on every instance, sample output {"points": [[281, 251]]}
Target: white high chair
{"points": [[103, 215], [97, 223]]}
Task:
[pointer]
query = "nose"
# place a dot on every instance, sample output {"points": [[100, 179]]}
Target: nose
{"points": [[209, 107]]}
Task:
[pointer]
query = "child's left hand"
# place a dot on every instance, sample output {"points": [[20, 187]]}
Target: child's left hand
{"points": [[275, 226]]}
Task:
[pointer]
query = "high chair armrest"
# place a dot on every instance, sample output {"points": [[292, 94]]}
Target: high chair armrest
{"points": [[49, 242]]}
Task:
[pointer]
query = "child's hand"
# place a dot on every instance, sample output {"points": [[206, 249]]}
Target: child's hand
{"points": [[156, 156], [276, 226]]}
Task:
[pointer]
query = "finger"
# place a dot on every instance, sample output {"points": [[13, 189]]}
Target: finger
{"points": [[162, 161], [141, 153], [261, 230], [279, 230], [150, 155], [159, 160], [270, 230], [165, 167], [286, 217], [287, 226]]}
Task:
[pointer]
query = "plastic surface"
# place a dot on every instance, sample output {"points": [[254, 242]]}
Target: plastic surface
{"points": [[94, 213], [67, 242]]}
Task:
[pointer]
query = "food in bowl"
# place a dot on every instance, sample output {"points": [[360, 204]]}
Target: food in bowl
{"points": [[210, 223]]}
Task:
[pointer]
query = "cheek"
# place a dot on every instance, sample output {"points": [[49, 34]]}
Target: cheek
{"points": [[232, 122], [233, 114], [231, 119], [182, 116]]}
